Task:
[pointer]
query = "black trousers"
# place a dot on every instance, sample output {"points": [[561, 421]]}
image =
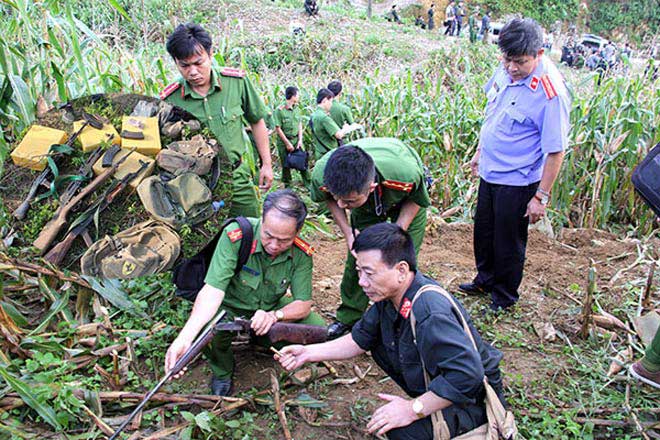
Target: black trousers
{"points": [[459, 421], [500, 239]]}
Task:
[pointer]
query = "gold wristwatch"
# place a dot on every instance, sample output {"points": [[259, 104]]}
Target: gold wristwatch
{"points": [[418, 408], [279, 315]]}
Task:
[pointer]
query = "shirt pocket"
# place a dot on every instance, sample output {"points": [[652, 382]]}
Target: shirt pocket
{"points": [[513, 120], [248, 280]]}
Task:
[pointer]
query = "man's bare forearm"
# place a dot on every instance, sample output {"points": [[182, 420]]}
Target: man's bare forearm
{"points": [[551, 170], [407, 214], [207, 303], [335, 350], [260, 133], [340, 218], [296, 310]]}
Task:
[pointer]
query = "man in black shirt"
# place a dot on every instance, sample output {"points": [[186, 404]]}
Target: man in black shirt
{"points": [[387, 268]]}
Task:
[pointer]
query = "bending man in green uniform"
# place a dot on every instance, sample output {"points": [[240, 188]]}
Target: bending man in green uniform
{"points": [[279, 261], [325, 131], [340, 113], [288, 126], [220, 98], [377, 179]]}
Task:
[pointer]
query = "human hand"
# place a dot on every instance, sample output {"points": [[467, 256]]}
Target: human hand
{"points": [[265, 177], [535, 210], [262, 321], [292, 357], [176, 350], [289, 147], [474, 164], [299, 146], [350, 239], [396, 413]]}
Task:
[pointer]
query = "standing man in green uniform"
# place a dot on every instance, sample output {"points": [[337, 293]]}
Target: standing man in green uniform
{"points": [[340, 113], [473, 24], [325, 131], [279, 261], [288, 126], [221, 98], [377, 179]]}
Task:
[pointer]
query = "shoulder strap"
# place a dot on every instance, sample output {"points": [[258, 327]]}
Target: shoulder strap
{"points": [[246, 241]]}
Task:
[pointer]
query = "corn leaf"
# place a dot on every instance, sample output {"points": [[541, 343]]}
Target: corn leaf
{"points": [[115, 4], [58, 306], [112, 291], [23, 390]]}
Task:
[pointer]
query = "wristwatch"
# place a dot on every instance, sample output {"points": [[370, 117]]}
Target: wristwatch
{"points": [[542, 196], [418, 408], [279, 315]]}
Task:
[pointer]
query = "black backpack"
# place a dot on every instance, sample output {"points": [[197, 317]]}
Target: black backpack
{"points": [[188, 276], [646, 179]]}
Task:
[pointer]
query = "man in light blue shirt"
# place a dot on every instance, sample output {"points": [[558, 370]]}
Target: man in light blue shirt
{"points": [[521, 148]]}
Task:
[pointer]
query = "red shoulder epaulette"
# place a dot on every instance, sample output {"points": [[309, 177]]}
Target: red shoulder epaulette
{"points": [[167, 91], [548, 88], [534, 83], [398, 186], [231, 71], [235, 235], [254, 247], [324, 188], [303, 246]]}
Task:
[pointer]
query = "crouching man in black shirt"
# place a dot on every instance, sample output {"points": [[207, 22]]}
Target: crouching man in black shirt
{"points": [[388, 274]]}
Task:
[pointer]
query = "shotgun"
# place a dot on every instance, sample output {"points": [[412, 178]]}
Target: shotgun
{"points": [[80, 224], [53, 227], [280, 331]]}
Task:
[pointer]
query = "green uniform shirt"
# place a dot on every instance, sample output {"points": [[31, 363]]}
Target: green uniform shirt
{"points": [[341, 114], [262, 281], [229, 99], [288, 120], [400, 175], [324, 132]]}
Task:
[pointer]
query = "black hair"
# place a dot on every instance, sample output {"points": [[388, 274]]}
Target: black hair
{"points": [[391, 240], [349, 169], [322, 94], [288, 203], [335, 87], [520, 36], [186, 39], [290, 92]]}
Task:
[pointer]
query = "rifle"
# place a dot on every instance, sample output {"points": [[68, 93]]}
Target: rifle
{"points": [[80, 224], [52, 228], [202, 339], [22, 209], [280, 331]]}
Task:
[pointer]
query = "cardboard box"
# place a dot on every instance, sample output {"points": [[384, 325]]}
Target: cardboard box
{"points": [[150, 145], [90, 137], [32, 151], [130, 165]]}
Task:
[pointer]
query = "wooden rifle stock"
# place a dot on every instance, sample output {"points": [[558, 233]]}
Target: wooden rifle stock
{"points": [[53, 227], [59, 251]]}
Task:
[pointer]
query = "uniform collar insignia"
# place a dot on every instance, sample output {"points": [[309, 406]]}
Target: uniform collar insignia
{"points": [[534, 83], [406, 306]]}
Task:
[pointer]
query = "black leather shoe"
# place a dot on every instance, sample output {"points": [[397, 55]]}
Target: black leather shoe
{"points": [[220, 387], [337, 329], [471, 289]]}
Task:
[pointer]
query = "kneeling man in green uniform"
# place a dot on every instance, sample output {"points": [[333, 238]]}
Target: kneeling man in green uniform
{"points": [[377, 179], [279, 261]]}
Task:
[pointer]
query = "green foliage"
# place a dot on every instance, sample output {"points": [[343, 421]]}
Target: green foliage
{"points": [[207, 426], [636, 18]]}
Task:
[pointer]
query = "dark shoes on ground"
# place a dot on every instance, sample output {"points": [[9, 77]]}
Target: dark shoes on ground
{"points": [[337, 329], [641, 373], [221, 387], [472, 289]]}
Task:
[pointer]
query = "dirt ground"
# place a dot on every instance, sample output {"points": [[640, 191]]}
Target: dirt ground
{"points": [[552, 267]]}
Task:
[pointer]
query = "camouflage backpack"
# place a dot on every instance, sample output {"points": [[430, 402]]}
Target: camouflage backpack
{"points": [[183, 200], [144, 249], [195, 156]]}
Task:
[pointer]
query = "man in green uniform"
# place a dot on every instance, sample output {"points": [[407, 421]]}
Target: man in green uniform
{"points": [[473, 24], [325, 131], [289, 130], [377, 179], [340, 113], [221, 98], [279, 261]]}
